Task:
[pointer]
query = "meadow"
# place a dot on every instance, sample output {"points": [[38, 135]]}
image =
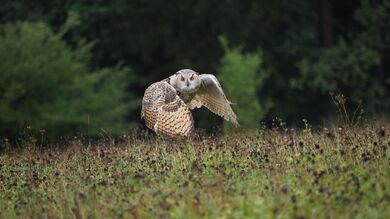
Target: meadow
{"points": [[334, 172]]}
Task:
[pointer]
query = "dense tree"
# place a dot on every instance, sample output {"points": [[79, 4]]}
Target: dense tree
{"points": [[308, 47], [45, 85], [355, 65]]}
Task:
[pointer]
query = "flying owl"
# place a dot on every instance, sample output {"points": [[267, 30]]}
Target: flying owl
{"points": [[166, 104]]}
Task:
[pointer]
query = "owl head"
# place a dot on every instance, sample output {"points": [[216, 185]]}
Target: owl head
{"points": [[186, 81]]}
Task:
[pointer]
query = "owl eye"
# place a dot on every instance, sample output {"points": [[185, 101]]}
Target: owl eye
{"points": [[192, 77], [182, 78]]}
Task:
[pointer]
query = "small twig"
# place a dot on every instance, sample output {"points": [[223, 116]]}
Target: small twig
{"points": [[354, 113], [346, 115], [337, 105], [42, 131]]}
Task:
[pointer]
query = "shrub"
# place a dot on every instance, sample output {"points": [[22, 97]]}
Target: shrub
{"points": [[44, 84], [242, 75]]}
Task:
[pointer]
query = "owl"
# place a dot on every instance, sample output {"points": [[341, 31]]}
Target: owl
{"points": [[166, 104]]}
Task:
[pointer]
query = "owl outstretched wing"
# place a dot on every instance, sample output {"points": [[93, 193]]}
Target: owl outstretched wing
{"points": [[164, 112], [211, 95]]}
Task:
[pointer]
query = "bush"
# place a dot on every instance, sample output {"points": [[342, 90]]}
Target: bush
{"points": [[242, 75], [44, 84]]}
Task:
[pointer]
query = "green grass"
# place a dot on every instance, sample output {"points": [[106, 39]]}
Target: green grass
{"points": [[274, 173]]}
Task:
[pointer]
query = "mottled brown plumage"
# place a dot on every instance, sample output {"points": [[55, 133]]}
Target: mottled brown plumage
{"points": [[164, 112], [166, 104]]}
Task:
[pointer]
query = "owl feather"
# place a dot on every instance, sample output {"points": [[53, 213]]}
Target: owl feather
{"points": [[166, 104], [164, 112]]}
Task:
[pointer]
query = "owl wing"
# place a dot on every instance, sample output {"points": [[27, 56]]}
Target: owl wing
{"points": [[164, 112], [211, 95]]}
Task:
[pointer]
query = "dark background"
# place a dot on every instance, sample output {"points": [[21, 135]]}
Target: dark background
{"points": [[71, 67]]}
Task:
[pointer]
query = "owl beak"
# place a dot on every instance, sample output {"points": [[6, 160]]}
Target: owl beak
{"points": [[188, 83]]}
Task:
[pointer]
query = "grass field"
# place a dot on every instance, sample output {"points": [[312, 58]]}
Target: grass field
{"points": [[335, 173]]}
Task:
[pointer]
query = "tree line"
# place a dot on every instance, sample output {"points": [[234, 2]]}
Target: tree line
{"points": [[73, 67]]}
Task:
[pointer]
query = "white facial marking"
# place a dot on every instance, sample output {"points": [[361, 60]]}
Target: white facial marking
{"points": [[187, 81]]}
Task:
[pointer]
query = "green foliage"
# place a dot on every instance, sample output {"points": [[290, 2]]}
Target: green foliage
{"points": [[242, 75], [156, 38], [298, 174], [307, 50], [354, 66], [44, 84]]}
